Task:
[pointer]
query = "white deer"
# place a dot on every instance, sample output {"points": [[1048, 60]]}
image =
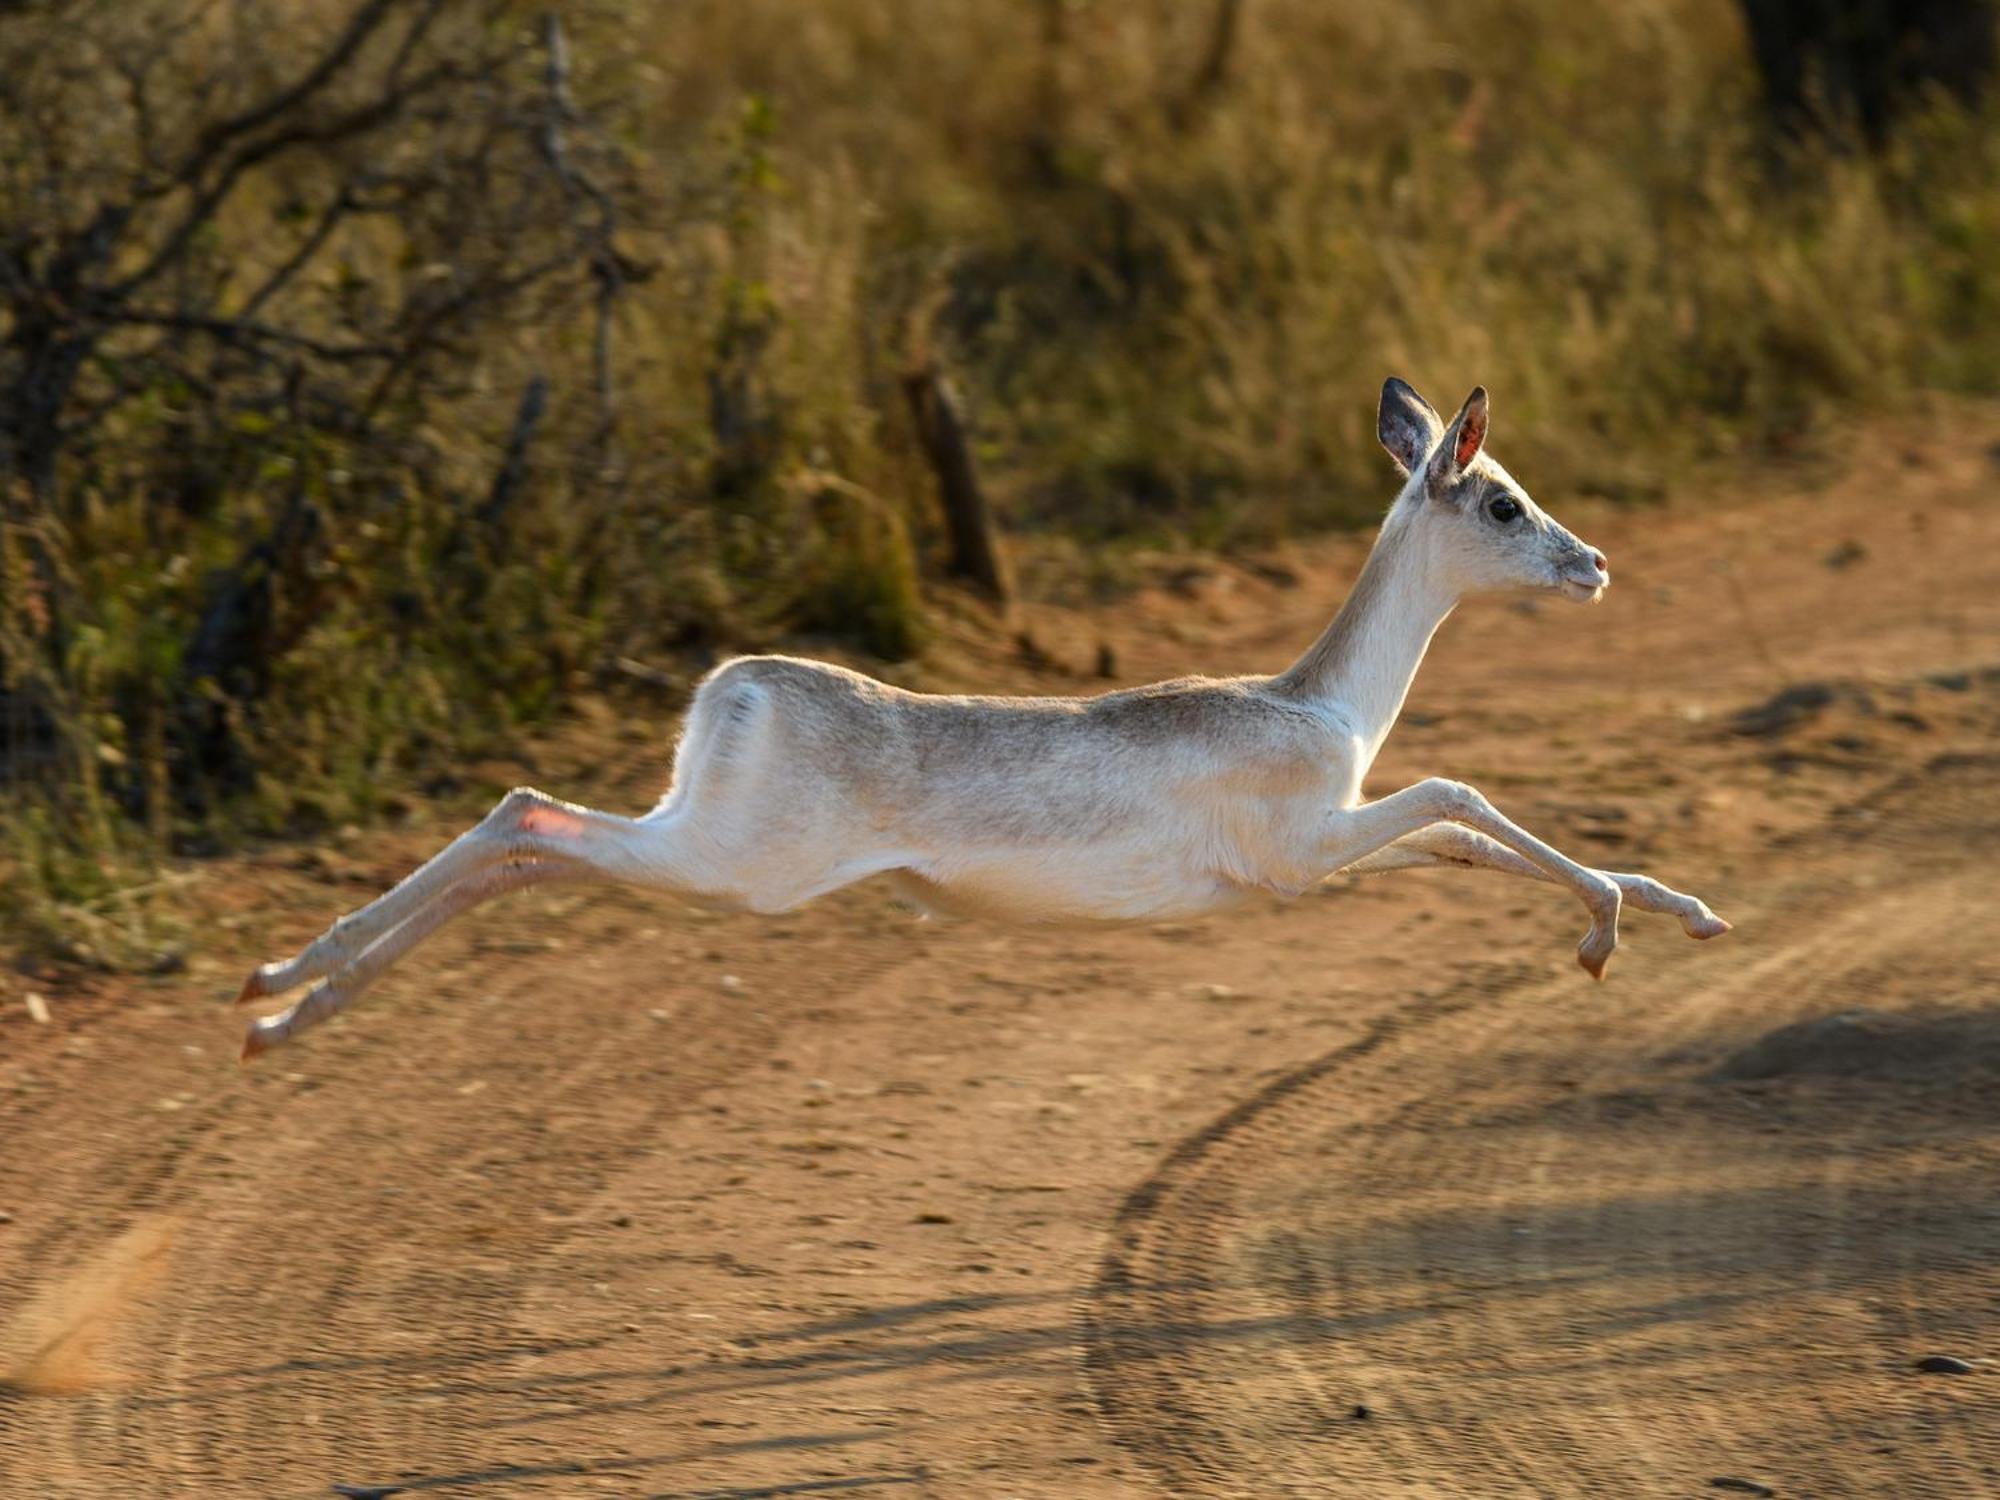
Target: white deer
{"points": [[793, 778]]}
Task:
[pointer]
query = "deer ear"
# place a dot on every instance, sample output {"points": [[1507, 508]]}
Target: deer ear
{"points": [[1407, 424], [1462, 442]]}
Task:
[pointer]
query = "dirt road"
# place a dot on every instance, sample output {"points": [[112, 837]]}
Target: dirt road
{"points": [[1374, 1194]]}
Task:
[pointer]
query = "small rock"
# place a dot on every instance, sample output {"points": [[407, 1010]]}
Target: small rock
{"points": [[5, 1217], [1282, 575], [622, 1221], [1944, 1364], [1032, 652], [1782, 710], [1846, 555], [38, 1008], [931, 1218], [1741, 1486], [1362, 1413], [368, 1491]]}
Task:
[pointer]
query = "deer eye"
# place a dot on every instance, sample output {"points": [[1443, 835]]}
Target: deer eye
{"points": [[1503, 508]]}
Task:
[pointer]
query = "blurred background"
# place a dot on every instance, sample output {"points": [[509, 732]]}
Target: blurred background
{"points": [[377, 378]]}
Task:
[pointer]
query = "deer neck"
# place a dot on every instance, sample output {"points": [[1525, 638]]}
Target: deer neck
{"points": [[1363, 663]]}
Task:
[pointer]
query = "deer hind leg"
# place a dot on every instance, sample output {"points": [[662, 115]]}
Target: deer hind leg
{"points": [[529, 839], [711, 840], [526, 825], [348, 981]]}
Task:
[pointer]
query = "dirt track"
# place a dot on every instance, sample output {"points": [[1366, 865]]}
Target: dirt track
{"points": [[596, 1196]]}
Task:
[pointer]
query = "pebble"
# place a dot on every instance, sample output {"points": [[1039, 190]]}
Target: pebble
{"points": [[38, 1008], [1944, 1364], [1741, 1486]]}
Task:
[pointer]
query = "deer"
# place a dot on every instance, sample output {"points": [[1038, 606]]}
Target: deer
{"points": [[793, 778]]}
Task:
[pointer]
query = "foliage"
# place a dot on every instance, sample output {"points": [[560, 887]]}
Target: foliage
{"points": [[374, 376]]}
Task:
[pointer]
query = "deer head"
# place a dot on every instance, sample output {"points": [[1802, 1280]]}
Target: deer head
{"points": [[1477, 526]]}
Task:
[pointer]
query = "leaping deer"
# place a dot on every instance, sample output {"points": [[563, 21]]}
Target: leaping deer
{"points": [[793, 778]]}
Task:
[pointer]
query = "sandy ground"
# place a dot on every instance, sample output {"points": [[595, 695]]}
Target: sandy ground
{"points": [[1374, 1194]]}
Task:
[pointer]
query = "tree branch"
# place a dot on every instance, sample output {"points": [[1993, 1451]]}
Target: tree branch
{"points": [[337, 208], [239, 329], [210, 200], [514, 466], [360, 27]]}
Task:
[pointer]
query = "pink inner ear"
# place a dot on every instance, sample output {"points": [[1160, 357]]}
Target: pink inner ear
{"points": [[1471, 435]]}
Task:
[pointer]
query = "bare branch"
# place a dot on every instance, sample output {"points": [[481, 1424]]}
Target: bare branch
{"points": [[426, 333], [338, 207], [514, 466], [419, 28], [364, 23], [606, 265], [134, 74], [1217, 59], [239, 330], [209, 201]]}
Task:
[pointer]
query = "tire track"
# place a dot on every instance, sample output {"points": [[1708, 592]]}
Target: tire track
{"points": [[1623, 1249], [1160, 1275]]}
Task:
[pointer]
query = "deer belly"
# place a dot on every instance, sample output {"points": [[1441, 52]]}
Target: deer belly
{"points": [[1055, 885]]}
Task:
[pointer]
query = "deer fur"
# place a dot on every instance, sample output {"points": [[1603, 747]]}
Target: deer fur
{"points": [[793, 778]]}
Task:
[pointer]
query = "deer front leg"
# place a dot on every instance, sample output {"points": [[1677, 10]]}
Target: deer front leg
{"points": [[1449, 844], [1357, 832]]}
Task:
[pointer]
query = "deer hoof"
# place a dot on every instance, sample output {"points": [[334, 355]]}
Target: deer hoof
{"points": [[1705, 925], [260, 1038]]}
